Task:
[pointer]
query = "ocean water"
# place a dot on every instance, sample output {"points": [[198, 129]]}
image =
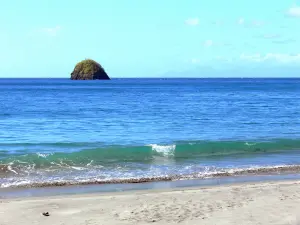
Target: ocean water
{"points": [[59, 132]]}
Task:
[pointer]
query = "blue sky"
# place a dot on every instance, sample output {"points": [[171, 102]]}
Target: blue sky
{"points": [[143, 38]]}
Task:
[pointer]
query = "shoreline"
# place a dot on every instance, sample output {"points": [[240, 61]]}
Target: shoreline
{"points": [[263, 202], [227, 172], [52, 191]]}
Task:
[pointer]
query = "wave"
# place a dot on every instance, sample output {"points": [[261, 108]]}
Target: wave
{"points": [[280, 169], [45, 155]]}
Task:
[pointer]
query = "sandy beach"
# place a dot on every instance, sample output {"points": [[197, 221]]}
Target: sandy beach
{"points": [[248, 203]]}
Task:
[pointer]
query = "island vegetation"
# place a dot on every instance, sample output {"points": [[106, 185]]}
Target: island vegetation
{"points": [[89, 69]]}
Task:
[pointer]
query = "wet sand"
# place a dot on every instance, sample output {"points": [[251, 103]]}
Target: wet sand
{"points": [[269, 202]]}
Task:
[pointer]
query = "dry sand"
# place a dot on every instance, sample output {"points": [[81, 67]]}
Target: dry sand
{"points": [[260, 203]]}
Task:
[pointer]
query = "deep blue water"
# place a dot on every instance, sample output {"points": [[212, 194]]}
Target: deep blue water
{"points": [[58, 129]]}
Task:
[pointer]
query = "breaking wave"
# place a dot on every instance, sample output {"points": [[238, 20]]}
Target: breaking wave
{"points": [[59, 164]]}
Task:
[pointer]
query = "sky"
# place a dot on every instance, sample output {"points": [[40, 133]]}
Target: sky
{"points": [[151, 38]]}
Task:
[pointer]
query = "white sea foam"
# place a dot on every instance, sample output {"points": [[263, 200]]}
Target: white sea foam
{"points": [[77, 168], [9, 167], [15, 184], [250, 144], [165, 150], [43, 155], [153, 175], [90, 163]]}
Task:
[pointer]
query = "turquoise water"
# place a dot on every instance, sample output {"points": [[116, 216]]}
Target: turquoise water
{"points": [[58, 131]]}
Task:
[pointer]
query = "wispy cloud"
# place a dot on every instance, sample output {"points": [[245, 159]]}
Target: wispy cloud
{"points": [[208, 43], [277, 38], [51, 31], [241, 21], [224, 44], [269, 36], [278, 57], [192, 21], [223, 59], [294, 11], [195, 61], [283, 26], [218, 22], [284, 41], [250, 45], [257, 23]]}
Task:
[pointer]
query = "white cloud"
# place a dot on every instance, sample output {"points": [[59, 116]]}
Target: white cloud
{"points": [[294, 11], [208, 43], [257, 23], [252, 57], [223, 44], [192, 22], [223, 58], [241, 21], [218, 22], [271, 36], [284, 41], [278, 57], [195, 61], [52, 31]]}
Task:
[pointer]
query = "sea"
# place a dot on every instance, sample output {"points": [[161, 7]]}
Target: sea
{"points": [[59, 132]]}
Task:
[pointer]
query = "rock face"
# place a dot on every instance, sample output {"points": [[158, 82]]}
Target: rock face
{"points": [[89, 70]]}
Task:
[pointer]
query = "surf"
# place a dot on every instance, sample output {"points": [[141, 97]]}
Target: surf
{"points": [[43, 155]]}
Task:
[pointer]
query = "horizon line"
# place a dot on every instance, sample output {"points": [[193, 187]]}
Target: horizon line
{"points": [[158, 78]]}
